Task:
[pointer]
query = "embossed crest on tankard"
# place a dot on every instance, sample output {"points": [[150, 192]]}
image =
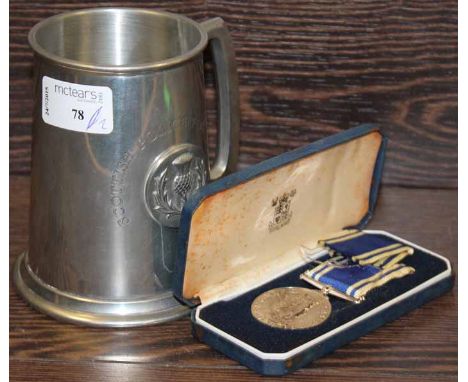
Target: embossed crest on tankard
{"points": [[174, 176]]}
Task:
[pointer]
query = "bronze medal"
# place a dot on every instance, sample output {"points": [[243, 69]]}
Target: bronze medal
{"points": [[291, 308]]}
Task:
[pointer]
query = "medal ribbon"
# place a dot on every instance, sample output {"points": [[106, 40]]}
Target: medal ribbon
{"points": [[361, 262], [367, 249], [356, 280]]}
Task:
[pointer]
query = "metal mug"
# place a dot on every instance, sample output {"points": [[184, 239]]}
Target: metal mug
{"points": [[119, 142]]}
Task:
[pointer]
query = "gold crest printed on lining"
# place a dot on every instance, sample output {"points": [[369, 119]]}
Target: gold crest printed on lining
{"points": [[282, 210]]}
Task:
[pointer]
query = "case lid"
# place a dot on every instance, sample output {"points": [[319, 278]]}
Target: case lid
{"points": [[248, 227]]}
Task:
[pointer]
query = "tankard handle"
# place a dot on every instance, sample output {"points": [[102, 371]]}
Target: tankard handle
{"points": [[228, 100]]}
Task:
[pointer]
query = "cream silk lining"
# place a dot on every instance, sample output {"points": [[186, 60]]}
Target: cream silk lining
{"points": [[254, 231]]}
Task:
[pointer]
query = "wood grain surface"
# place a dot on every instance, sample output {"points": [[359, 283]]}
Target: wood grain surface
{"points": [[308, 69], [420, 346]]}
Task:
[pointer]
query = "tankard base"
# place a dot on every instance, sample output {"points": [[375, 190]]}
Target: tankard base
{"points": [[87, 311]]}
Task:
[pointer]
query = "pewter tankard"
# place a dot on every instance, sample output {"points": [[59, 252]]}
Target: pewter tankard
{"points": [[119, 142]]}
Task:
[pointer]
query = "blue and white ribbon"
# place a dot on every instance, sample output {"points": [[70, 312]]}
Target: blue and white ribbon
{"points": [[356, 280], [367, 249]]}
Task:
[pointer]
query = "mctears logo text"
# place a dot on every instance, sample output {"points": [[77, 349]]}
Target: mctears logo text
{"points": [[72, 92]]}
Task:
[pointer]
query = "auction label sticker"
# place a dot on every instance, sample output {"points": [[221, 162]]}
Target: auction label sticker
{"points": [[84, 108]]}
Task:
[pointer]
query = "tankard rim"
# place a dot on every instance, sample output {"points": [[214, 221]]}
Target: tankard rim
{"points": [[150, 66]]}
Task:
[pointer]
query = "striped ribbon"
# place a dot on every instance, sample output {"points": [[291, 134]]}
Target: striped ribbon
{"points": [[367, 249], [359, 263], [356, 280]]}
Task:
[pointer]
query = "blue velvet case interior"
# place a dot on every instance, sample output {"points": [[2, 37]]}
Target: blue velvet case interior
{"points": [[234, 317]]}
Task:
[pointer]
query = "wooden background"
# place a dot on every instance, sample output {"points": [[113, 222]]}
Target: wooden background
{"points": [[309, 69]]}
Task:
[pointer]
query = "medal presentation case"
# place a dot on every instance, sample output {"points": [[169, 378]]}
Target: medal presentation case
{"points": [[259, 229]]}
